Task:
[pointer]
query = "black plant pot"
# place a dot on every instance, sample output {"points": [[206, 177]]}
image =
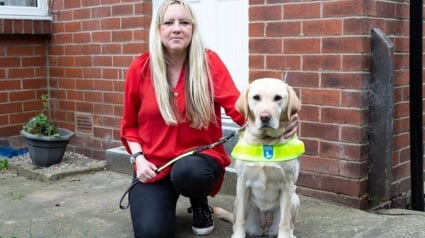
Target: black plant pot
{"points": [[47, 150]]}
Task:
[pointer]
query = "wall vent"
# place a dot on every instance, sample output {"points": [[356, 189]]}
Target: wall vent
{"points": [[84, 123]]}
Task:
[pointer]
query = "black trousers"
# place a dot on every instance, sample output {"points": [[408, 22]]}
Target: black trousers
{"points": [[153, 205]]}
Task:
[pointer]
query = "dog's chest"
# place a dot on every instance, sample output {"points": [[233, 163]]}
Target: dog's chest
{"points": [[265, 182]]}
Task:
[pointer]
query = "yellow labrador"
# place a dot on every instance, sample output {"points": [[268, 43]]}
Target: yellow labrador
{"points": [[266, 203]]}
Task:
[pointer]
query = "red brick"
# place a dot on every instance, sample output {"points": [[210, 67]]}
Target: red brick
{"points": [[265, 13], [83, 37], [84, 107], [322, 131], [36, 61], [320, 165], [385, 9], [309, 112], [6, 62], [276, 29], [354, 170], [321, 62], [9, 108], [265, 46], [21, 96], [110, 24], [120, 36], [134, 22], [72, 26], [104, 85], [292, 62], [101, 12], [80, 14], [256, 29], [356, 99], [123, 9], [345, 45], [343, 80], [342, 8], [356, 26], [84, 84], [322, 27], [344, 116], [298, 10], [113, 98], [301, 45], [340, 150], [353, 134], [329, 97]]}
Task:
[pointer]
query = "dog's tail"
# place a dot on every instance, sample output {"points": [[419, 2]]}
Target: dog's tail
{"points": [[223, 214]]}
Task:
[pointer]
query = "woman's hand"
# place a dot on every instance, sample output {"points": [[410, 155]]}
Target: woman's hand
{"points": [[292, 127], [145, 170]]}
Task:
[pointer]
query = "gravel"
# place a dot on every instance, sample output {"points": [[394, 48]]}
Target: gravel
{"points": [[72, 163]]}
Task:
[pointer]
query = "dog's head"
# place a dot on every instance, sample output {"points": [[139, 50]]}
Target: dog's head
{"points": [[268, 104]]}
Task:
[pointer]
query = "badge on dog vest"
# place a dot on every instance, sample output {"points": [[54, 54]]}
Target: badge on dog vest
{"points": [[292, 149]]}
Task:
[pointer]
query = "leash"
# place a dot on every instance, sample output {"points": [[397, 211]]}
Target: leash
{"points": [[222, 140]]}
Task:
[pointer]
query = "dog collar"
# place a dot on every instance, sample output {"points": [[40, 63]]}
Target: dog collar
{"points": [[291, 149]]}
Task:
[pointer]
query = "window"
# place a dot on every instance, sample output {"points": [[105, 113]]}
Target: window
{"points": [[24, 9]]}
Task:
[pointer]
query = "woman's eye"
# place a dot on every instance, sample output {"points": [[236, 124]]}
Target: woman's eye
{"points": [[185, 23], [168, 23]]}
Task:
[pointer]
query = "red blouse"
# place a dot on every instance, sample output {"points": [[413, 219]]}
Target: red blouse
{"points": [[142, 121]]}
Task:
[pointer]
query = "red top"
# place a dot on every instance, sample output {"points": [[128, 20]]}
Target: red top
{"points": [[142, 121]]}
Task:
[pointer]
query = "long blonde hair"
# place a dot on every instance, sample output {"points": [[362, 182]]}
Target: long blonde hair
{"points": [[199, 86]]}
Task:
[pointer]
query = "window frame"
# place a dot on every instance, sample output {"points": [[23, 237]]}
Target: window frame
{"points": [[20, 12]]}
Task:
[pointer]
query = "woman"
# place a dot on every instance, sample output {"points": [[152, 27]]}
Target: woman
{"points": [[173, 97]]}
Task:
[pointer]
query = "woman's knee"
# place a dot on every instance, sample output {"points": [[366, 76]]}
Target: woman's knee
{"points": [[195, 174]]}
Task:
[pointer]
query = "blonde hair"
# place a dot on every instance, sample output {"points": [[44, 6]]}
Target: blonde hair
{"points": [[199, 86]]}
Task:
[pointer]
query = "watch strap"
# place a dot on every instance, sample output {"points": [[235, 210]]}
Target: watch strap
{"points": [[134, 156]]}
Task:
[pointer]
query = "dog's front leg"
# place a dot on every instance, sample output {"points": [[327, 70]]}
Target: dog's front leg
{"points": [[288, 212], [240, 208]]}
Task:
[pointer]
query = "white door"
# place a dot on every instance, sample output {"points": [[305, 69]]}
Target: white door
{"points": [[224, 29]]}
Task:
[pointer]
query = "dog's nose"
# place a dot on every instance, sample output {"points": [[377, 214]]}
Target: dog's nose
{"points": [[265, 116]]}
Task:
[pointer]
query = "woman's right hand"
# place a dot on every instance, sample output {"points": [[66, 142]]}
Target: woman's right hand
{"points": [[145, 170]]}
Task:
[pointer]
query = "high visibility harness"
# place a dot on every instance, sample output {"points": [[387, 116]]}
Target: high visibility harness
{"points": [[291, 149]]}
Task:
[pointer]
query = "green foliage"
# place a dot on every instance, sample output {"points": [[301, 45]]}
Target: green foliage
{"points": [[40, 124], [3, 164]]}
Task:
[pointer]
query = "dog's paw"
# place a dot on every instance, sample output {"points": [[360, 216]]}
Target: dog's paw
{"points": [[286, 235], [238, 235]]}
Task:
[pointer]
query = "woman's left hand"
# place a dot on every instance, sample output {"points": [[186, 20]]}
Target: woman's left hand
{"points": [[292, 127]]}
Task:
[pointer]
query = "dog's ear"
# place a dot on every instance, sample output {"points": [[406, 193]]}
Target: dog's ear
{"points": [[241, 104], [294, 103]]}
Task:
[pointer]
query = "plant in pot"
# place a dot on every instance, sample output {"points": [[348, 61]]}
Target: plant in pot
{"points": [[46, 143]]}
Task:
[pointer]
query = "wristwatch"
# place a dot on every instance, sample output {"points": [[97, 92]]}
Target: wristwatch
{"points": [[134, 156]]}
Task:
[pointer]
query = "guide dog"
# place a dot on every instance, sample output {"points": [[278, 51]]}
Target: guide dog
{"points": [[266, 202]]}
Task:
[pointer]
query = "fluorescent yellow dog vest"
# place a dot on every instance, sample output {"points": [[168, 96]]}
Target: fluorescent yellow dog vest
{"points": [[292, 149]]}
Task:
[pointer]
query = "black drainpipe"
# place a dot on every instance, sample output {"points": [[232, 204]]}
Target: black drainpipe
{"points": [[415, 81]]}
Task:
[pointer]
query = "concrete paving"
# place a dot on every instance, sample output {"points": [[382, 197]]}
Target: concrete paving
{"points": [[86, 205]]}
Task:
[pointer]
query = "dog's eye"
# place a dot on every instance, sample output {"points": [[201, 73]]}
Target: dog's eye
{"points": [[256, 97], [277, 98]]}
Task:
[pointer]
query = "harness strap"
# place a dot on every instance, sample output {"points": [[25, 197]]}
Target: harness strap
{"points": [[292, 149]]}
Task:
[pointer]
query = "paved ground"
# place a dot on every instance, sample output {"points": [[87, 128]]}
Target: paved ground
{"points": [[86, 205]]}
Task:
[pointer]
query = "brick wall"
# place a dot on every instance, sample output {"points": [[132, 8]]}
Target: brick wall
{"points": [[23, 73], [325, 47], [92, 45]]}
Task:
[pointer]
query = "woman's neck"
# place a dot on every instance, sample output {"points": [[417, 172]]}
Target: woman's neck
{"points": [[174, 67]]}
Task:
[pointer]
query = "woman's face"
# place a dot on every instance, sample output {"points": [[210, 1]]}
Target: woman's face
{"points": [[176, 29]]}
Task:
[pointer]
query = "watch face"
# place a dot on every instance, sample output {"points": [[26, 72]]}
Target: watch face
{"points": [[132, 160]]}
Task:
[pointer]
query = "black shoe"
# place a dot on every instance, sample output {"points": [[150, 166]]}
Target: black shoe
{"points": [[203, 223]]}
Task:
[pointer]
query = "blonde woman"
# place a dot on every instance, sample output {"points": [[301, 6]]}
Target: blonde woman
{"points": [[173, 97]]}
